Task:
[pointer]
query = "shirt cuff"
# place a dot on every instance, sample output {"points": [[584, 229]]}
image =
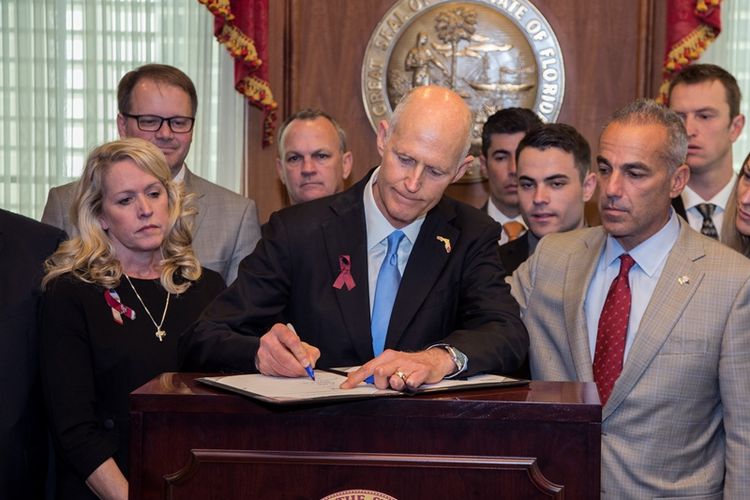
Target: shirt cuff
{"points": [[459, 358]]}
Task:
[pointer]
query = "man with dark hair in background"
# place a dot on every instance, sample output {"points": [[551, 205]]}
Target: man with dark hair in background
{"points": [[500, 137], [554, 183], [707, 99]]}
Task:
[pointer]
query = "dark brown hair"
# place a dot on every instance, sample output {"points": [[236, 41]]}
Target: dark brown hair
{"points": [[699, 73], [160, 73]]}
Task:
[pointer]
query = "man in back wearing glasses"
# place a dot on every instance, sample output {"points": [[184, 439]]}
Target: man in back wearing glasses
{"points": [[158, 103]]}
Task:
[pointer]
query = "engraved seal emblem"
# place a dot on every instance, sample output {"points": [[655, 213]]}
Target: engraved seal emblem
{"points": [[358, 495], [495, 54]]}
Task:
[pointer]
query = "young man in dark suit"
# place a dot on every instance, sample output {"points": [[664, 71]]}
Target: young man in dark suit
{"points": [[330, 265], [501, 134]]}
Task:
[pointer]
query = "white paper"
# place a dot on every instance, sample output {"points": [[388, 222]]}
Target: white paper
{"points": [[325, 385]]}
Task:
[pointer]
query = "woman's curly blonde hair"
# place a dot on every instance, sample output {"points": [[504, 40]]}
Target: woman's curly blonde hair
{"points": [[90, 256], [729, 233]]}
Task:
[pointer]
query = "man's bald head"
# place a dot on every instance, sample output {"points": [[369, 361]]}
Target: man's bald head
{"points": [[437, 105], [423, 150]]}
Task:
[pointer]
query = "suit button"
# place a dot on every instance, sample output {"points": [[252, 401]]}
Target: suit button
{"points": [[109, 424]]}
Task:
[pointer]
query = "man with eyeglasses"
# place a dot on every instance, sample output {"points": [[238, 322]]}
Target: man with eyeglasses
{"points": [[158, 103]]}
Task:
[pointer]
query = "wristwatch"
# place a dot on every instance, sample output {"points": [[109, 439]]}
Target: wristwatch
{"points": [[460, 359]]}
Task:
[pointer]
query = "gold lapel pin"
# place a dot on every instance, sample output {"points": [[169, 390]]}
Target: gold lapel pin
{"points": [[445, 241], [683, 280]]}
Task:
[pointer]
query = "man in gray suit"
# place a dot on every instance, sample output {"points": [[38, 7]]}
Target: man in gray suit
{"points": [[158, 103], [667, 343]]}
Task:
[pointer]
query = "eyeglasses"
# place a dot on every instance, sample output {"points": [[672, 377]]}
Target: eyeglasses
{"points": [[152, 123]]}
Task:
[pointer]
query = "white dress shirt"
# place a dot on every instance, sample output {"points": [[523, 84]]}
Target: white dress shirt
{"points": [[650, 257], [378, 229], [180, 175], [691, 200]]}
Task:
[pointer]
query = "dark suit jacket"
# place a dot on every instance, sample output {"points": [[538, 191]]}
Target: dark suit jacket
{"points": [[457, 297], [24, 245], [725, 231], [513, 253], [679, 207]]}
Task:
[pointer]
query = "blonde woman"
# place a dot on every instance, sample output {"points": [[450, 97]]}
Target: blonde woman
{"points": [[116, 299], [736, 227]]}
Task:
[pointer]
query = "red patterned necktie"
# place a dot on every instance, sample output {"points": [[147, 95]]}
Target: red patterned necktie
{"points": [[613, 329]]}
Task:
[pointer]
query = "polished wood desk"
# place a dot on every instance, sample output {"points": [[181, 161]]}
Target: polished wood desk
{"points": [[536, 441]]}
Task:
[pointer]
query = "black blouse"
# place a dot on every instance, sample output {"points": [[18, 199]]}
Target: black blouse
{"points": [[90, 364]]}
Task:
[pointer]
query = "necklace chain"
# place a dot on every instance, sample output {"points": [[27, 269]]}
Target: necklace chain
{"points": [[160, 334]]}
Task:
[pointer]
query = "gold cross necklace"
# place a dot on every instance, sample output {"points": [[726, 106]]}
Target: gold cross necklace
{"points": [[160, 334]]}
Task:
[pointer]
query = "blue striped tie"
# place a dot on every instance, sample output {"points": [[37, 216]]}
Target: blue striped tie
{"points": [[385, 293]]}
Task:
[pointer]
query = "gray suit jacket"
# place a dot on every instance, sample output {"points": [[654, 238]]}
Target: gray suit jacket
{"points": [[226, 228], [678, 420]]}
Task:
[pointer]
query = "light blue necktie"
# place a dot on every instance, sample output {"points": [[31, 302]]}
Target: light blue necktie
{"points": [[385, 293]]}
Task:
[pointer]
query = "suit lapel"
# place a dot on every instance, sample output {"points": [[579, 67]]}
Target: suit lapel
{"points": [[514, 253], [581, 267], [426, 262], [345, 234], [189, 183], [667, 304]]}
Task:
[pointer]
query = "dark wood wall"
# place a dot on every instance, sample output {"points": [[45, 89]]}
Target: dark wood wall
{"points": [[612, 51]]}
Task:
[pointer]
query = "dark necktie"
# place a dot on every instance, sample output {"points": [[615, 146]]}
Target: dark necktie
{"points": [[386, 289], [708, 228], [613, 330]]}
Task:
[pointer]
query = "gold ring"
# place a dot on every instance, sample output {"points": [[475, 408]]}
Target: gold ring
{"points": [[403, 376]]}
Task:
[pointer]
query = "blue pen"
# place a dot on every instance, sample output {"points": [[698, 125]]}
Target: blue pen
{"points": [[310, 372], [308, 368]]}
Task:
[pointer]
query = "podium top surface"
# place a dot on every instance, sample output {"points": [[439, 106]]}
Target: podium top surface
{"points": [[538, 400]]}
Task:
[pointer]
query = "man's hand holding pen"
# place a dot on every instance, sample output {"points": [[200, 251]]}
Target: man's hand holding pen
{"points": [[282, 353]]}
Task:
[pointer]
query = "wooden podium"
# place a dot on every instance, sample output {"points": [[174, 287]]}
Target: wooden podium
{"points": [[191, 441]]}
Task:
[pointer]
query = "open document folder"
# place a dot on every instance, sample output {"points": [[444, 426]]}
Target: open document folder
{"points": [[282, 390]]}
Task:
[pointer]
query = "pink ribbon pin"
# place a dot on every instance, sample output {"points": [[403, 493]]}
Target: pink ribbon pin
{"points": [[118, 308], [344, 279]]}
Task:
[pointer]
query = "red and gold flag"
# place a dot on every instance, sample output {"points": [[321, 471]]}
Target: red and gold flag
{"points": [[691, 26], [242, 27]]}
